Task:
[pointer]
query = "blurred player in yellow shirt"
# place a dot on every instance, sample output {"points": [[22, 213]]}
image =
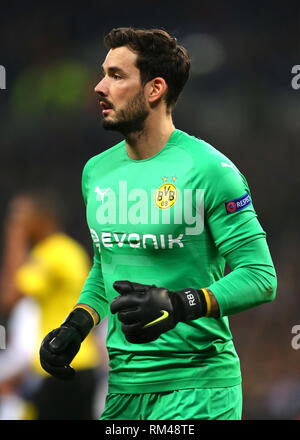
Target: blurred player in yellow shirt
{"points": [[42, 262]]}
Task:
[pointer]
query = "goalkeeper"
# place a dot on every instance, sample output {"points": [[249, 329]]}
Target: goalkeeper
{"points": [[166, 211]]}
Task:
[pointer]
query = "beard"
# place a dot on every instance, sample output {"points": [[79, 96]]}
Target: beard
{"points": [[131, 118]]}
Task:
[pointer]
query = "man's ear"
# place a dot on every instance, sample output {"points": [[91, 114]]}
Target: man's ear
{"points": [[156, 89]]}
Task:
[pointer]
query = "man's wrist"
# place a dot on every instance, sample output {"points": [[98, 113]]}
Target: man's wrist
{"points": [[90, 310], [190, 304], [81, 320]]}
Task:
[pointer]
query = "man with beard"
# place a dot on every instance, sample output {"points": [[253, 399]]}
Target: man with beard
{"points": [[166, 211]]}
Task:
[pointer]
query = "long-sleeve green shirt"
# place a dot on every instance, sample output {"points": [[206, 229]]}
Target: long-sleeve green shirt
{"points": [[174, 220]]}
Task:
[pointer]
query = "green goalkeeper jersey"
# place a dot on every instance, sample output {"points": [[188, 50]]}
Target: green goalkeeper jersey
{"points": [[173, 220]]}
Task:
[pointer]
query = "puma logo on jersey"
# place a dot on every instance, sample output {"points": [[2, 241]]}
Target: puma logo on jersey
{"points": [[224, 164], [101, 193]]}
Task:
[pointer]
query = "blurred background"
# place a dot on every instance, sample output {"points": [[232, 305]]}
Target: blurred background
{"points": [[239, 98]]}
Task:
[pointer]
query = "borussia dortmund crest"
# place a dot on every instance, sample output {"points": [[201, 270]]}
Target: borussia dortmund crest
{"points": [[166, 194]]}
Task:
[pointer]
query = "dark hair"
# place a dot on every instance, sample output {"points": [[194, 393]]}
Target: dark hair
{"points": [[159, 54], [47, 202]]}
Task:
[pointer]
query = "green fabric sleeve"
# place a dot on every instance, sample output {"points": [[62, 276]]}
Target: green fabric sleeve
{"points": [[241, 241], [251, 282], [93, 292]]}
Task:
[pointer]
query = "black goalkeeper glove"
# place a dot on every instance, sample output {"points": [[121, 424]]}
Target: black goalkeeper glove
{"points": [[60, 346], [148, 311]]}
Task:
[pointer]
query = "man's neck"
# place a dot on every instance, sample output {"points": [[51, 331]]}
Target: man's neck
{"points": [[149, 141]]}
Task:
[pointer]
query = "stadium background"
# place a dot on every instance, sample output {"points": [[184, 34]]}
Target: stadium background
{"points": [[239, 99]]}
